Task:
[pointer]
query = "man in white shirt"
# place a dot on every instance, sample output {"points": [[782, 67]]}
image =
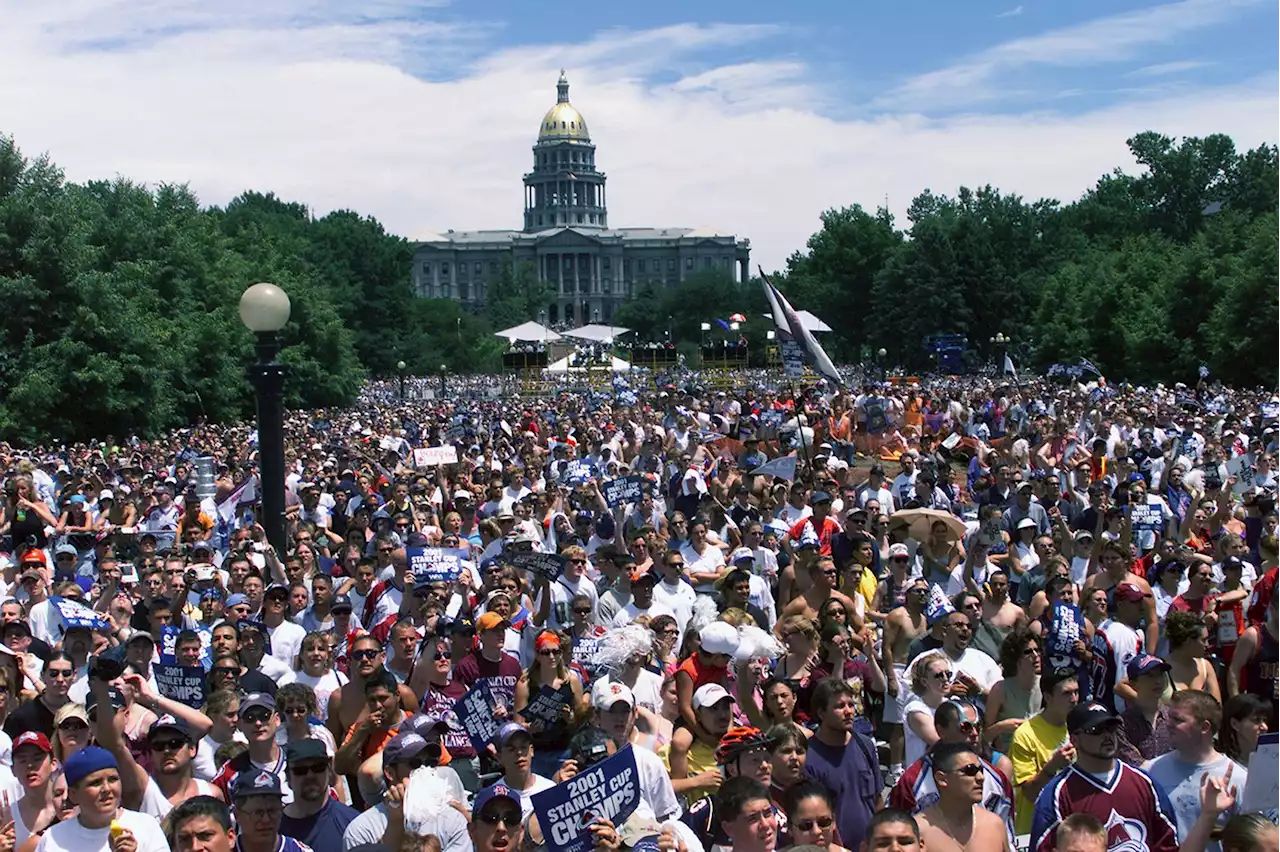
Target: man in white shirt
{"points": [[673, 592], [286, 636], [642, 600], [904, 484]]}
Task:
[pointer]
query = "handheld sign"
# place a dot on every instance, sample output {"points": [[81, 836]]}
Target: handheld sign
{"points": [[434, 564], [76, 614], [432, 456], [609, 790], [626, 489], [180, 683], [990, 532], [546, 707], [1066, 626], [169, 640], [1146, 517], [578, 473], [475, 712], [792, 359], [1262, 787], [549, 566]]}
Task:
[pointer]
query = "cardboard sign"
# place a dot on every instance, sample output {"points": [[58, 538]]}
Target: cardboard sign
{"points": [[435, 564], [76, 614], [432, 456], [609, 790], [1146, 517], [792, 359], [169, 641], [546, 707], [475, 712], [455, 433], [546, 565], [1241, 467], [627, 489], [1262, 788], [184, 684], [989, 533], [577, 473], [1066, 627]]}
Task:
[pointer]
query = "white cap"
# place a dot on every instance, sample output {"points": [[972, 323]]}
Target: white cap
{"points": [[719, 637], [898, 549], [462, 495], [607, 693], [1026, 522], [106, 494], [742, 554], [709, 694]]}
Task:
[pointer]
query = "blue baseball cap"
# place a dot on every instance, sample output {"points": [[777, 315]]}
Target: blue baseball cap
{"points": [[488, 794], [235, 599], [257, 782], [1145, 664]]}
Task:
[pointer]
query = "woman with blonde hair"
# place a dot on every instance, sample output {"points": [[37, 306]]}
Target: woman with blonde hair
{"points": [[549, 682], [71, 731], [800, 637], [930, 682]]}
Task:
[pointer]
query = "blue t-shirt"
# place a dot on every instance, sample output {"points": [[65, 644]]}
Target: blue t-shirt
{"points": [[323, 830], [852, 774], [1180, 781]]}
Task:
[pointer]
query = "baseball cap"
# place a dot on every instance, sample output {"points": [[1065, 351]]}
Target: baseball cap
{"points": [[490, 621], [1145, 664], [898, 550], [488, 794], [610, 693], [140, 634], [405, 745], [719, 637], [34, 738], [299, 751], [66, 550], [742, 554], [341, 602], [1084, 535], [709, 694], [1025, 523], [170, 723], [509, 730], [820, 497], [257, 699], [1024, 484], [1087, 715], [237, 598], [1130, 592], [260, 783]]}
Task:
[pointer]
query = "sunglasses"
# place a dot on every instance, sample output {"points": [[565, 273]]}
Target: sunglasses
{"points": [[969, 770], [582, 612], [257, 717], [225, 671], [549, 652], [60, 674], [1099, 730], [168, 745], [367, 654], [809, 824], [73, 725], [509, 819], [309, 769]]}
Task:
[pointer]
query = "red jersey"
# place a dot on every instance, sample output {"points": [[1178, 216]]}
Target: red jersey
{"points": [[1135, 812]]}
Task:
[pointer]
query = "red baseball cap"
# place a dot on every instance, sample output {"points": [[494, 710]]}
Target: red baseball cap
{"points": [[1130, 592], [34, 738]]}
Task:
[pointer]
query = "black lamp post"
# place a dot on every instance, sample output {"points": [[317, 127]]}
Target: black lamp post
{"points": [[264, 309], [1002, 346], [443, 369], [400, 366], [881, 354]]}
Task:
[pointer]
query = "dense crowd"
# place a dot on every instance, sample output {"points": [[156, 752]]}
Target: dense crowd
{"points": [[963, 614]]}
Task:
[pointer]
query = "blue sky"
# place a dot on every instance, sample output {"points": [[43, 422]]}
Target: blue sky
{"points": [[749, 118]]}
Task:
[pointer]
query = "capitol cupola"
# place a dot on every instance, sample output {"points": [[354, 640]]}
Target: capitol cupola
{"points": [[564, 189]]}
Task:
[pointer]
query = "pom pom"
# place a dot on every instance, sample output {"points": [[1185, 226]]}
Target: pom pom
{"points": [[425, 798], [756, 644], [621, 644]]}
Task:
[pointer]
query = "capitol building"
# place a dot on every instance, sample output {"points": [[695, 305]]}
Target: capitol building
{"points": [[566, 240]]}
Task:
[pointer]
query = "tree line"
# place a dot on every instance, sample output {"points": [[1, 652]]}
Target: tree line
{"points": [[122, 301]]}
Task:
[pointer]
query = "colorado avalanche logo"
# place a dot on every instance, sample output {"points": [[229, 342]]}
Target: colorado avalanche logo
{"points": [[1125, 835]]}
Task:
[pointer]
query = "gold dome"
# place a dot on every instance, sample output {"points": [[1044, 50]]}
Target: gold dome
{"points": [[563, 121]]}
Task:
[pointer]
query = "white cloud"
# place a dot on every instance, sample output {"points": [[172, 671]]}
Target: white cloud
{"points": [[1011, 13], [975, 79], [1169, 68], [319, 110]]}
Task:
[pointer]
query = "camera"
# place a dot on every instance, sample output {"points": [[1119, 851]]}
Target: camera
{"points": [[105, 668]]}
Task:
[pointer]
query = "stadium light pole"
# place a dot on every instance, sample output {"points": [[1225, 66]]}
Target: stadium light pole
{"points": [[264, 309]]}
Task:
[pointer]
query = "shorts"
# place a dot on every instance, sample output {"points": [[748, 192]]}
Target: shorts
{"points": [[893, 706]]}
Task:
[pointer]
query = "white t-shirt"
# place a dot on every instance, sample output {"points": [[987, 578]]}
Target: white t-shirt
{"points": [[915, 747], [203, 766], [156, 804], [286, 642], [537, 784], [323, 686], [563, 591], [711, 560], [71, 836]]}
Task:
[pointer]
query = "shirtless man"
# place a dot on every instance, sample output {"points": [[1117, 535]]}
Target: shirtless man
{"points": [[367, 659], [904, 625], [997, 609], [956, 822], [822, 575], [1114, 557]]}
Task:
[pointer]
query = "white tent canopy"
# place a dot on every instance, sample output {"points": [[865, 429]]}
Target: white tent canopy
{"points": [[808, 320], [616, 365], [529, 331], [598, 333]]}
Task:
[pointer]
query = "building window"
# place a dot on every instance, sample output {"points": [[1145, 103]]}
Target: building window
{"points": [[539, 220], [463, 292], [444, 267], [493, 267], [426, 269], [568, 261], [608, 285], [479, 267], [605, 263], [591, 217], [626, 266], [579, 218], [688, 263], [671, 264], [640, 266]]}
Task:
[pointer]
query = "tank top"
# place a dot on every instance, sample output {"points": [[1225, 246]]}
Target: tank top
{"points": [[1260, 672], [157, 805], [1018, 703], [557, 736]]}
